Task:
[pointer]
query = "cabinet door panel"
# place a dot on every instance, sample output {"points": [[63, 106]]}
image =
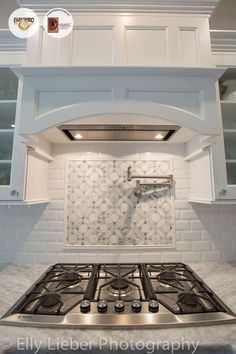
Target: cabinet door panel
{"points": [[6, 145], [231, 173], [11, 148], [5, 174]]}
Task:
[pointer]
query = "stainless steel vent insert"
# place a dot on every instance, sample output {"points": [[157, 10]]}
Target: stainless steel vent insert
{"points": [[119, 132]]}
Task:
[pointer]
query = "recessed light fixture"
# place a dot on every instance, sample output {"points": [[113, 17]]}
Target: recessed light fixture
{"points": [[78, 136], [13, 125], [159, 136]]}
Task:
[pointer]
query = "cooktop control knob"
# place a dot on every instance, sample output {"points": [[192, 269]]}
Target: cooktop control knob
{"points": [[136, 306], [119, 306], [153, 306], [102, 306], [85, 306]]}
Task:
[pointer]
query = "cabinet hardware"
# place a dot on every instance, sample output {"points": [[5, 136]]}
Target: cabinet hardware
{"points": [[14, 193], [222, 193]]}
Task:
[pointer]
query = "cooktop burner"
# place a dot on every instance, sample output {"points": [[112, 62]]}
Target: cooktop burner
{"points": [[119, 295], [71, 278], [50, 300]]}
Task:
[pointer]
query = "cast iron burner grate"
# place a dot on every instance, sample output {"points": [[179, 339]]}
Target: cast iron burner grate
{"points": [[61, 289], [119, 281], [180, 290], [173, 285]]}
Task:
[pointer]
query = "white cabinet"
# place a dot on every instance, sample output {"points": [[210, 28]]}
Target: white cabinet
{"points": [[224, 154], [23, 170], [12, 152], [213, 168], [116, 39], [229, 129]]}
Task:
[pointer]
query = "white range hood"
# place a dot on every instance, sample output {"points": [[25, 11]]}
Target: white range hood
{"points": [[129, 62], [52, 96]]}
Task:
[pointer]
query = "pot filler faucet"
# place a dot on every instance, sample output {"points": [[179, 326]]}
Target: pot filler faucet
{"points": [[141, 188]]}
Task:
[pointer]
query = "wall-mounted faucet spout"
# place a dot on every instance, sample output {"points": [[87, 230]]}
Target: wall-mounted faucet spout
{"points": [[140, 188]]}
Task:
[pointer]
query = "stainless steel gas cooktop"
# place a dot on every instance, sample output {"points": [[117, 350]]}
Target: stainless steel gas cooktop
{"points": [[119, 295]]}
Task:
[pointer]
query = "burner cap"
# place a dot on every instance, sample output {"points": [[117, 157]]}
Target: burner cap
{"points": [[50, 300], [71, 278], [119, 287], [188, 299], [119, 284], [167, 276]]}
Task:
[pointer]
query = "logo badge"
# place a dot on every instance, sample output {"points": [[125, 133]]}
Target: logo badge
{"points": [[58, 23], [23, 23]]}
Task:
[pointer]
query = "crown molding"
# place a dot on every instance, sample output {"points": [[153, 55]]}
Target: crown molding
{"points": [[223, 41], [10, 43], [183, 72], [202, 7]]}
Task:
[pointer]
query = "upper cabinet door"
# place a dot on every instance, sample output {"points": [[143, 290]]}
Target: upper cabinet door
{"points": [[224, 151], [11, 149], [229, 132]]}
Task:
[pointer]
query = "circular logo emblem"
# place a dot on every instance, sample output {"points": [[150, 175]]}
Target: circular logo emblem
{"points": [[58, 23], [23, 23]]}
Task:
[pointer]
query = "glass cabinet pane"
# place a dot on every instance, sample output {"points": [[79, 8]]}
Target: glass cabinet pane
{"points": [[229, 115], [8, 97], [230, 145], [8, 84], [7, 115], [231, 172], [6, 145], [5, 173]]}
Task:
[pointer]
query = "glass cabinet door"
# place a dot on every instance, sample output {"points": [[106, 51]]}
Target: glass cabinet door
{"points": [[229, 128], [8, 95]]}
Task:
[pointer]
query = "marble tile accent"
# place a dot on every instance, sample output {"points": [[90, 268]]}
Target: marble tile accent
{"points": [[102, 209]]}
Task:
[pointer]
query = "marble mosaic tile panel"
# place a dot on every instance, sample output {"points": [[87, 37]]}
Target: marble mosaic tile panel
{"points": [[102, 210]]}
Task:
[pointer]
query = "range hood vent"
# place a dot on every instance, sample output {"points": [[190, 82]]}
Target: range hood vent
{"points": [[119, 132]]}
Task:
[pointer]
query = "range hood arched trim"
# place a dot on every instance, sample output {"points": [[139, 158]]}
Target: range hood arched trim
{"points": [[96, 108]]}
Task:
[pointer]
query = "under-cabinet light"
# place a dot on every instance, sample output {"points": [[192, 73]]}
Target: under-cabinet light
{"points": [[78, 136], [159, 136]]}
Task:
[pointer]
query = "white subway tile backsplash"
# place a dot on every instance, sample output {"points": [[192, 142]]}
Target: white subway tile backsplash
{"points": [[35, 234], [182, 183], [229, 256], [170, 256], [182, 194], [223, 245], [53, 247], [181, 204], [197, 225], [189, 215], [202, 246], [56, 205], [207, 235], [221, 224], [57, 184], [51, 215], [228, 235], [55, 225], [35, 247], [181, 173], [41, 225], [56, 194], [183, 246], [182, 225], [191, 235], [212, 256], [192, 257], [13, 246]]}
